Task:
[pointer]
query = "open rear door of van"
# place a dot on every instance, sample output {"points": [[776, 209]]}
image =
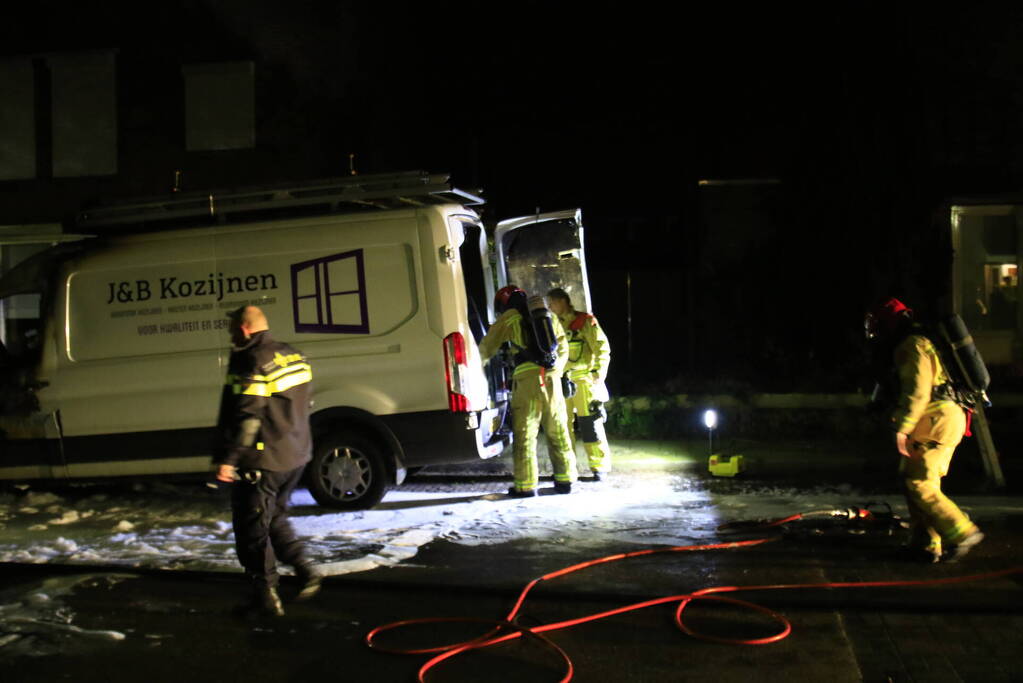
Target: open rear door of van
{"points": [[543, 251]]}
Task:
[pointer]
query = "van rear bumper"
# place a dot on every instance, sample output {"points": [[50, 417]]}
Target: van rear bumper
{"points": [[438, 437]]}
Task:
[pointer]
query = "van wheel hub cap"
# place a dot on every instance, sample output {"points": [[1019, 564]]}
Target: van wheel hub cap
{"points": [[345, 473]]}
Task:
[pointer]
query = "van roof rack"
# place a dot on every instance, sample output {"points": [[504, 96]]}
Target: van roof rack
{"points": [[329, 195]]}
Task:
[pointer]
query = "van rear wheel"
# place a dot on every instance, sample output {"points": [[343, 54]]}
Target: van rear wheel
{"points": [[347, 472]]}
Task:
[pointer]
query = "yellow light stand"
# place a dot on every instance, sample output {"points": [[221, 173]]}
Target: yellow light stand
{"points": [[726, 465]]}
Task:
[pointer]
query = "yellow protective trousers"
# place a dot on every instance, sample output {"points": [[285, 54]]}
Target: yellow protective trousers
{"points": [[934, 517], [591, 426], [537, 400]]}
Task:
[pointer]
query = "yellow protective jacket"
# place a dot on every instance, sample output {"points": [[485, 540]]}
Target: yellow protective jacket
{"points": [[508, 328], [589, 351], [920, 371]]}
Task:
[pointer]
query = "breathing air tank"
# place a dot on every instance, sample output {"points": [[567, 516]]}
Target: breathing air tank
{"points": [[543, 331], [541, 345], [961, 357]]}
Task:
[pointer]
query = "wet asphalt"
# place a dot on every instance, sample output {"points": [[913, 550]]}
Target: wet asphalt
{"points": [[185, 625]]}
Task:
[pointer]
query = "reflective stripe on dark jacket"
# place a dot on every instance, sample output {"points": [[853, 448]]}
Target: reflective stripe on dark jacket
{"points": [[270, 381]]}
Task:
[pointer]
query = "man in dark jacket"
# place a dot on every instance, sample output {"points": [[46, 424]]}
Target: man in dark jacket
{"points": [[264, 417]]}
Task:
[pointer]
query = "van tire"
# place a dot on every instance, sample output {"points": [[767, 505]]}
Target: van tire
{"points": [[347, 472]]}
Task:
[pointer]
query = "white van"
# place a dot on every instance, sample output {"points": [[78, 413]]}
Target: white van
{"points": [[115, 347]]}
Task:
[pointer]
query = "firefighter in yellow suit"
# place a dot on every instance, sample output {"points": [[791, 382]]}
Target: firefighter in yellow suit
{"points": [[589, 354], [928, 426], [537, 399]]}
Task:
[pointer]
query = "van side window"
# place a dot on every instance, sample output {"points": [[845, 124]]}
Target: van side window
{"points": [[330, 294], [474, 272]]}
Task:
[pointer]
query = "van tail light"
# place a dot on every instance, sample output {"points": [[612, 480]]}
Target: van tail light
{"points": [[456, 372]]}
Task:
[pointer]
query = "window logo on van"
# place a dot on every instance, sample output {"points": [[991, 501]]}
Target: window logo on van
{"points": [[329, 294]]}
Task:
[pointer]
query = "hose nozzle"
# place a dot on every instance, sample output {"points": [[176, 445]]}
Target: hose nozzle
{"points": [[852, 513]]}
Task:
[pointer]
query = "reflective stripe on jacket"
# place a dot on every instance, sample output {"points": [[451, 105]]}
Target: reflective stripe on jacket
{"points": [[270, 381], [589, 351]]}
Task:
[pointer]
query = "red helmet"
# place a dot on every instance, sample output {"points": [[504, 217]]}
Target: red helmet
{"points": [[884, 318], [504, 295]]}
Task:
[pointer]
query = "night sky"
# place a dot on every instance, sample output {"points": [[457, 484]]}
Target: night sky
{"points": [[858, 119]]}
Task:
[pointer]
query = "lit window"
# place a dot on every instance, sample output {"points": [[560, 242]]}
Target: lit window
{"points": [[1001, 284]]}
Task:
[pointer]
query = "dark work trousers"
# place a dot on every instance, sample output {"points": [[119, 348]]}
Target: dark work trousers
{"points": [[262, 533]]}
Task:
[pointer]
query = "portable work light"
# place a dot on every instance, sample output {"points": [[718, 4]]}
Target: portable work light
{"points": [[710, 420]]}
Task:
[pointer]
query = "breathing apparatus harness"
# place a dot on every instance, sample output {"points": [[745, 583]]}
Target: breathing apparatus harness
{"points": [[541, 344], [968, 377]]}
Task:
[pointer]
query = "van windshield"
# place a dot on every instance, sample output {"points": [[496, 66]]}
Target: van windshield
{"points": [[20, 326], [25, 272]]}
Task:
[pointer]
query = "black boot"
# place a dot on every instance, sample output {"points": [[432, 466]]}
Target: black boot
{"points": [[266, 602], [517, 493], [563, 487], [310, 580]]}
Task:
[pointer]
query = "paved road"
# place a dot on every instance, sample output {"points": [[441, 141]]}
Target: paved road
{"points": [[181, 625]]}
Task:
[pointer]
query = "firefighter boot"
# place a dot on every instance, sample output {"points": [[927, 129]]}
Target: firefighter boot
{"points": [[924, 542], [957, 551], [915, 553], [563, 487]]}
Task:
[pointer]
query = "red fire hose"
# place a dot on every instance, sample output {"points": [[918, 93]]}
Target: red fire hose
{"points": [[504, 630]]}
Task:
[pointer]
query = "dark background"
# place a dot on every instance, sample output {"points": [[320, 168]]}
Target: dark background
{"points": [[858, 122]]}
